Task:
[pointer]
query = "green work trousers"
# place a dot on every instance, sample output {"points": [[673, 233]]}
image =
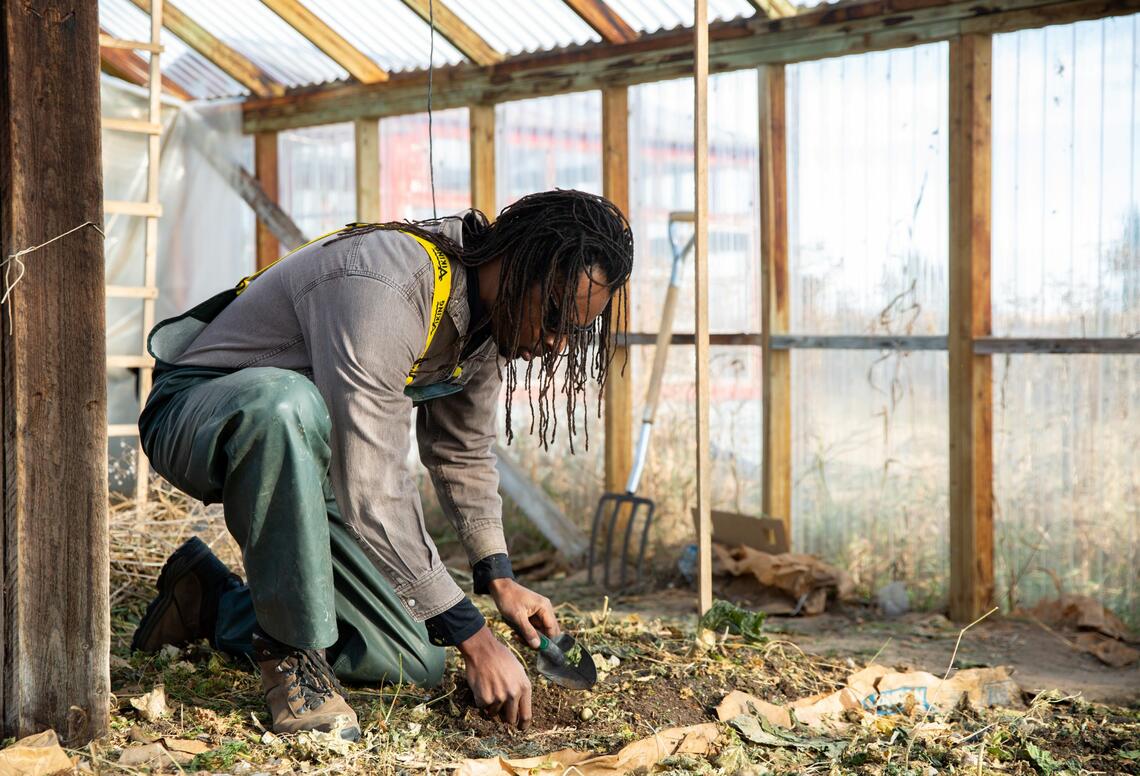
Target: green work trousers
{"points": [[256, 440]]}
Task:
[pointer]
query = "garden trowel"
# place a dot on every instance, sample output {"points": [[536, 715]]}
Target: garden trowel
{"points": [[566, 662]]}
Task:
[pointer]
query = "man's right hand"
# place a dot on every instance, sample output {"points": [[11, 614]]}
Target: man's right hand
{"points": [[497, 679]]}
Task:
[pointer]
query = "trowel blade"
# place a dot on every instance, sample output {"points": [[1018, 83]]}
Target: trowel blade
{"points": [[566, 666]]}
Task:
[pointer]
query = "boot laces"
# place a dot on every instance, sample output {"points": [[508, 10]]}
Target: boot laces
{"points": [[310, 678]]}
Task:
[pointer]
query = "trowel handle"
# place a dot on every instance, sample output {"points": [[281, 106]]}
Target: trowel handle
{"points": [[551, 650]]}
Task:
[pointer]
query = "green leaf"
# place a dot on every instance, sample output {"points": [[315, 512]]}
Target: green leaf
{"points": [[739, 621], [1042, 759]]}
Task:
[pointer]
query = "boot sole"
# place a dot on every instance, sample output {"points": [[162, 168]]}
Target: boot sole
{"points": [[192, 551]]}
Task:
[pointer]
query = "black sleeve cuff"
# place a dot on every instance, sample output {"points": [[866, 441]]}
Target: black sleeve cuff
{"points": [[456, 625], [496, 566]]}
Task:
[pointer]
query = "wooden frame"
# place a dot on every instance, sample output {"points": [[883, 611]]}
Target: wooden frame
{"points": [[456, 31], [604, 20], [481, 128], [367, 160], [266, 171], [314, 29], [971, 376]]}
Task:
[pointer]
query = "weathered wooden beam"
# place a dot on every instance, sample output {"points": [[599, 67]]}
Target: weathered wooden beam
{"points": [[775, 316], [367, 135], [971, 377], [604, 20], [566, 537], [701, 298], [619, 385], [481, 126], [1103, 345], [129, 66], [456, 31], [774, 9], [855, 342], [231, 62], [738, 44], [358, 64], [55, 634], [265, 169]]}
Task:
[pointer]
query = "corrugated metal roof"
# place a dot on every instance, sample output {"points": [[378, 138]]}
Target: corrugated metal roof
{"points": [[386, 30], [265, 38], [188, 68], [654, 15], [513, 27]]}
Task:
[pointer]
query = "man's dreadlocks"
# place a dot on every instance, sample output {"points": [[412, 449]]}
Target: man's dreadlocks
{"points": [[548, 240]]}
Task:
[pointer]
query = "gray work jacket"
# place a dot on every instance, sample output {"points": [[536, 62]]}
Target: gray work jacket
{"points": [[353, 316]]}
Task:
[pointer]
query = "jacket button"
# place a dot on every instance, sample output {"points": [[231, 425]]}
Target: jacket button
{"points": [[411, 602]]}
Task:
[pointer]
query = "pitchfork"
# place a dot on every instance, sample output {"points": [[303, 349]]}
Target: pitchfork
{"points": [[638, 507]]}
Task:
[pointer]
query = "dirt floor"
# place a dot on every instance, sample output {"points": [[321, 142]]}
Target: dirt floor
{"points": [[1072, 715]]}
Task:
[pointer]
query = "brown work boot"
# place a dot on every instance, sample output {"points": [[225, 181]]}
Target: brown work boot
{"points": [[301, 690], [186, 609]]}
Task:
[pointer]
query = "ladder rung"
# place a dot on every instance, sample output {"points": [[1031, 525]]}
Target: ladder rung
{"points": [[121, 207], [133, 125], [122, 430], [130, 362], [132, 292], [106, 41]]}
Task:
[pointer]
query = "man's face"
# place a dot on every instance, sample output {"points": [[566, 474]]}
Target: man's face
{"points": [[537, 337]]}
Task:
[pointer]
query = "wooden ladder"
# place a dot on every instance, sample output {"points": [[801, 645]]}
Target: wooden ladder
{"points": [[151, 210]]}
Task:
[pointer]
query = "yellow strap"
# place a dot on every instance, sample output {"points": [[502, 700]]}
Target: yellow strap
{"points": [[441, 293], [439, 296]]}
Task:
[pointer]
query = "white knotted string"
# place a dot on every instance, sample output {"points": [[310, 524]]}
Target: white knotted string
{"points": [[14, 259]]}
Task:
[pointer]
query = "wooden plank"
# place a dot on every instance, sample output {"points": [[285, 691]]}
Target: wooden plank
{"points": [[358, 64], [131, 292], [1104, 345], [742, 43], [481, 119], [367, 133], [123, 430], [132, 125], [132, 68], [604, 20], [129, 362], [638, 338], [844, 342], [108, 41], [118, 207], [265, 168], [619, 384], [456, 31], [227, 59], [774, 9], [566, 537], [701, 292], [55, 600], [776, 365], [971, 378]]}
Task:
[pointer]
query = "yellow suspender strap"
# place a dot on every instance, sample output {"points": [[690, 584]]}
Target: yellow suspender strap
{"points": [[439, 295]]}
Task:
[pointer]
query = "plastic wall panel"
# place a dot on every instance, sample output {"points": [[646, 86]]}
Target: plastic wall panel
{"points": [[1066, 481], [870, 465], [405, 180], [1066, 181], [546, 143], [868, 193], [317, 177]]}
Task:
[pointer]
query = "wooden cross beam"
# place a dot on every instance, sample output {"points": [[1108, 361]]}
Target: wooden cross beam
{"points": [[358, 64], [129, 66], [457, 32], [774, 9], [605, 20], [231, 62]]}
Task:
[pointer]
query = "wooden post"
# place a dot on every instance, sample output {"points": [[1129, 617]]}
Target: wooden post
{"points": [[701, 254], [265, 168], [367, 170], [55, 622], [619, 386], [776, 370], [971, 379], [481, 126]]}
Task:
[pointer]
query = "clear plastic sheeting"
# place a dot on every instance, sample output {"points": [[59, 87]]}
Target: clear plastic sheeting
{"points": [[513, 28], [189, 69], [205, 238], [870, 466], [1066, 181], [317, 177], [654, 15], [387, 31], [661, 183], [1066, 482], [405, 179], [267, 40], [546, 143], [868, 193]]}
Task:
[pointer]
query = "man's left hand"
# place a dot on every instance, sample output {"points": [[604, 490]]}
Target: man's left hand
{"points": [[525, 610]]}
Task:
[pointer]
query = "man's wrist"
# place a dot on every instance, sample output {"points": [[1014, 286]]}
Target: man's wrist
{"points": [[456, 625], [476, 643], [485, 571]]}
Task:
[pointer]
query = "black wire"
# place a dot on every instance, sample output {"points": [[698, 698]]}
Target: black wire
{"points": [[431, 145]]}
